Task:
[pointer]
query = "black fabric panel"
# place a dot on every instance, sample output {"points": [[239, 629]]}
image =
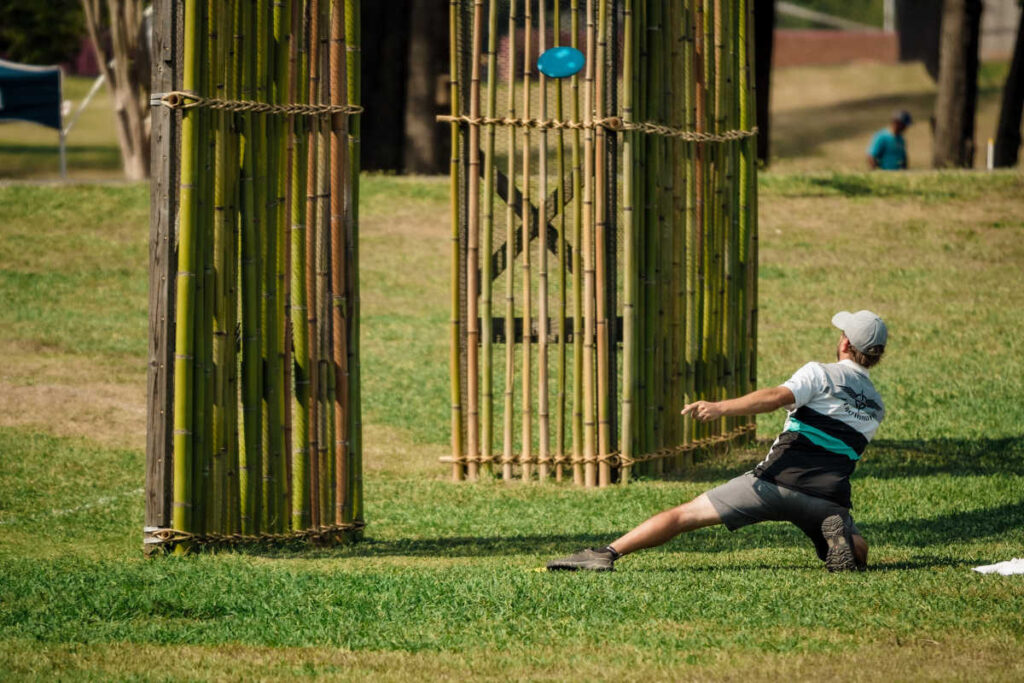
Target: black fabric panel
{"points": [[797, 463], [833, 427]]}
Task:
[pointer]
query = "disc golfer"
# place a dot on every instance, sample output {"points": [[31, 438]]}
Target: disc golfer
{"points": [[833, 412]]}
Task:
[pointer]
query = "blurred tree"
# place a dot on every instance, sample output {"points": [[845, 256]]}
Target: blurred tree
{"points": [[956, 103], [118, 33], [35, 32], [426, 93], [1008, 132], [764, 43], [385, 50]]}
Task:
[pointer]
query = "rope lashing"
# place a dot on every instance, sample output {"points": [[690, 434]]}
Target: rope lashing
{"points": [[615, 459], [612, 123], [176, 536], [179, 99]]}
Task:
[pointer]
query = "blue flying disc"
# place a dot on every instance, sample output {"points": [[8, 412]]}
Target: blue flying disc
{"points": [[561, 62]]}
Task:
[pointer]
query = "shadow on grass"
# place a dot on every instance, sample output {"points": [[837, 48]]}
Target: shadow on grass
{"points": [[943, 531], [893, 459]]}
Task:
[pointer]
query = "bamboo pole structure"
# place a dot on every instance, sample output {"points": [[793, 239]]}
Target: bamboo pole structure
{"points": [[508, 447], [526, 445], [578, 467], [186, 285], [339, 304], [600, 250], [473, 258], [562, 269], [683, 245], [257, 463], [629, 353], [543, 395], [487, 245], [589, 417], [353, 43], [458, 469]]}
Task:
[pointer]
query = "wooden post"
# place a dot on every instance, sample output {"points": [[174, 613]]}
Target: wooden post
{"points": [[163, 208]]}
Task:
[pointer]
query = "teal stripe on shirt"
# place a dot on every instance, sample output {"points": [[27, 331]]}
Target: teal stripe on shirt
{"points": [[820, 438]]}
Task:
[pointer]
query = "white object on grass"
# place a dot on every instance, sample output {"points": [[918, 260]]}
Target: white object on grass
{"points": [[1014, 566]]}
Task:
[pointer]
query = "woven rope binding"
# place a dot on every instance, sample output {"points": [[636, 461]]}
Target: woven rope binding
{"points": [[171, 537], [613, 123], [179, 99], [616, 459]]}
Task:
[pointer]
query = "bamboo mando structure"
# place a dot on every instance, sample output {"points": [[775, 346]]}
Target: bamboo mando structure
{"points": [[254, 420], [627, 256]]}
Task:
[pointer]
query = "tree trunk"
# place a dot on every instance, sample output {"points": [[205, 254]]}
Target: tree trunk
{"points": [[118, 36], [1008, 132], [764, 39], [958, 84], [385, 49], [426, 93]]}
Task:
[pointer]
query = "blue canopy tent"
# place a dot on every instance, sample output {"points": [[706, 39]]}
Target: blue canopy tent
{"points": [[33, 93]]}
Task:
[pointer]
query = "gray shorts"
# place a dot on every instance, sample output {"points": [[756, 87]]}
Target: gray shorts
{"points": [[748, 500]]}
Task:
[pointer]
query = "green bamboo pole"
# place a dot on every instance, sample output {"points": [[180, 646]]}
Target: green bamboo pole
{"points": [[313, 154], [508, 447], [487, 284], [543, 403], [458, 469], [692, 259], [216, 511], [652, 233], [640, 153], [323, 286], [527, 407], [473, 255], [339, 274], [629, 354], [252, 362], [200, 434], [299, 308], [291, 185], [283, 90], [353, 43], [751, 214], [678, 157], [589, 417], [600, 251], [234, 516], [577, 268], [185, 286], [562, 284]]}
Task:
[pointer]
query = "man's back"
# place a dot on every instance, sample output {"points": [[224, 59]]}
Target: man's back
{"points": [[835, 414]]}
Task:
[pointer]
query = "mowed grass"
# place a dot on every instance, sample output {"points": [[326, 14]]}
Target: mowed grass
{"points": [[445, 584]]}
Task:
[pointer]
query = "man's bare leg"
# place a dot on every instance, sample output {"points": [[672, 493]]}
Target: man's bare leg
{"points": [[665, 526], [660, 528]]}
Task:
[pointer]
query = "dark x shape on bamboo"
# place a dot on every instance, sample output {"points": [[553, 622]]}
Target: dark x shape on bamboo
{"points": [[499, 259]]}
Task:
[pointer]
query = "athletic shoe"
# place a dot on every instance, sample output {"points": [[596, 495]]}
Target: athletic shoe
{"points": [[592, 559], [840, 556]]}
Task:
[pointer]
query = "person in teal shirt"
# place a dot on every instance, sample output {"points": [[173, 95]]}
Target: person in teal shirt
{"points": [[888, 149]]}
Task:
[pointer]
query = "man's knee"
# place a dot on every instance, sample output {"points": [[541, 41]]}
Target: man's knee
{"points": [[699, 512]]}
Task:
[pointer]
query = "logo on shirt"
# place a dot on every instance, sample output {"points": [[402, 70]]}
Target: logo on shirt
{"points": [[860, 399]]}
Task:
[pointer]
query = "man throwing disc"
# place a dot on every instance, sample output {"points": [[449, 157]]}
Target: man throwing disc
{"points": [[833, 412]]}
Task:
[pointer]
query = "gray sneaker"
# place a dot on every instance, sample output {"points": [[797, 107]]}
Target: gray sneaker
{"points": [[592, 559], [840, 556]]}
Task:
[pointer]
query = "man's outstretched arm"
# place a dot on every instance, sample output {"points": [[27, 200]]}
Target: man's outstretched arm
{"points": [[760, 401]]}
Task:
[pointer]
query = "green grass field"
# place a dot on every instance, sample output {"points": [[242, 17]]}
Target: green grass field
{"points": [[444, 586]]}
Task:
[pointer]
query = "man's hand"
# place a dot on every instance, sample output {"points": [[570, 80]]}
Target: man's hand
{"points": [[705, 411]]}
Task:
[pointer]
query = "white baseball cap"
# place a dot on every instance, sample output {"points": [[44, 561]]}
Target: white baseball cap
{"points": [[864, 329]]}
